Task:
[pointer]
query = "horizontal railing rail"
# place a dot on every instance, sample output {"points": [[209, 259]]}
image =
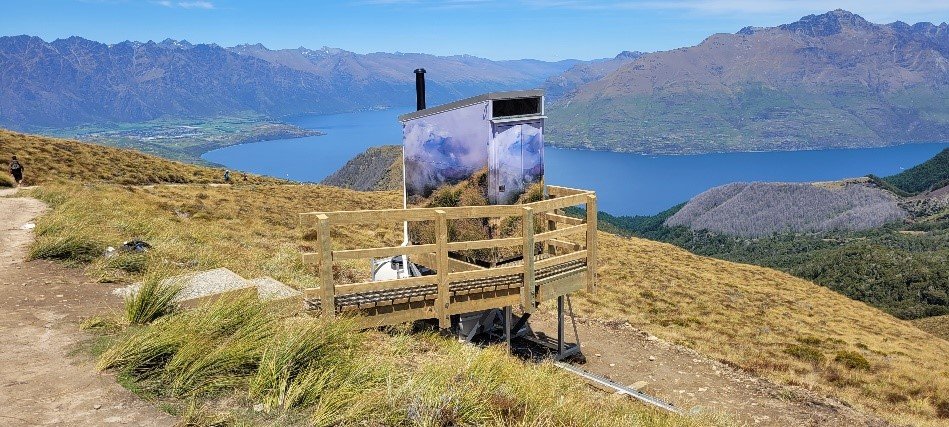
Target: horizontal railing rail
{"points": [[551, 241]]}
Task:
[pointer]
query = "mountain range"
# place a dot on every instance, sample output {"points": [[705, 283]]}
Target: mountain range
{"points": [[75, 81], [830, 80]]}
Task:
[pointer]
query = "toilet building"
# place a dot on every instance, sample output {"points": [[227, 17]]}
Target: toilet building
{"points": [[484, 150]]}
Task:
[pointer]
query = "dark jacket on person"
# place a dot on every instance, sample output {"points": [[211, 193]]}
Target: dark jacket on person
{"points": [[16, 169]]}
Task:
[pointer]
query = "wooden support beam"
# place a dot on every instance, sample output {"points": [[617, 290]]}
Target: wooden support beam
{"points": [[484, 244], [327, 284], [382, 285], [441, 243], [558, 203], [528, 291], [551, 226], [558, 191], [563, 219], [560, 259], [485, 273], [382, 252], [591, 242], [459, 307], [554, 234]]}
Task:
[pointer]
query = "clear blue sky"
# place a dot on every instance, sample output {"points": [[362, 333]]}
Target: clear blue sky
{"points": [[496, 29]]}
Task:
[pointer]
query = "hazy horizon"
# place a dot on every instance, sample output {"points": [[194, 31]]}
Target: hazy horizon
{"points": [[537, 29]]}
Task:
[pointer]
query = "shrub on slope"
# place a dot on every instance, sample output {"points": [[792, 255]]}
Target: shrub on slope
{"points": [[758, 209]]}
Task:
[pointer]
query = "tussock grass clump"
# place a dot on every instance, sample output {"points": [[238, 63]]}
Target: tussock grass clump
{"points": [[153, 299], [200, 351], [327, 373], [300, 361], [852, 360], [6, 181], [806, 353]]}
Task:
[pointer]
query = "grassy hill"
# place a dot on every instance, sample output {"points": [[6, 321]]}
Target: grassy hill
{"points": [[47, 160], [872, 246], [213, 365], [936, 325], [765, 208], [778, 326], [377, 168]]}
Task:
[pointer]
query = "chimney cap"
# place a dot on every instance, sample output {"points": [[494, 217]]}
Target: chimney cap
{"points": [[419, 71]]}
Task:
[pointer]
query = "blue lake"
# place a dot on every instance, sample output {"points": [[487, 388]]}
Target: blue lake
{"points": [[626, 184]]}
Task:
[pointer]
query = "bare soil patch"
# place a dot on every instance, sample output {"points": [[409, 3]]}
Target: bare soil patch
{"points": [[44, 380], [694, 383]]}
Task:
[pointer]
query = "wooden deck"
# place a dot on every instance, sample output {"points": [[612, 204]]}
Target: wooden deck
{"points": [[551, 265]]}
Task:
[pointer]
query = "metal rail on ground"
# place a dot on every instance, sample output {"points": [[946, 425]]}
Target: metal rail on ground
{"points": [[619, 388]]}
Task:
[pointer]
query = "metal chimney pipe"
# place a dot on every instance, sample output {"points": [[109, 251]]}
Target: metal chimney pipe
{"points": [[420, 89]]}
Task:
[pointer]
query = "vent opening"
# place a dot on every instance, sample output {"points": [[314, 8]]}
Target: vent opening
{"points": [[515, 107]]}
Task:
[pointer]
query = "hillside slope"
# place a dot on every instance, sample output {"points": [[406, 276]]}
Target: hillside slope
{"points": [[936, 325], [932, 174], [47, 160], [764, 208], [778, 326], [377, 168], [830, 80], [567, 82]]}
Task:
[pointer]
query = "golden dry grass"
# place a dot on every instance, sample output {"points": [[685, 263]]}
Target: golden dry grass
{"points": [[936, 325], [760, 319], [756, 318], [51, 159]]}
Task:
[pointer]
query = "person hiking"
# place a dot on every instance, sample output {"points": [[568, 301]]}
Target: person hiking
{"points": [[227, 176], [16, 169]]}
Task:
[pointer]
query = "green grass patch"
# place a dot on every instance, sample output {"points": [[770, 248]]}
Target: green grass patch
{"points": [[852, 360], [805, 353]]}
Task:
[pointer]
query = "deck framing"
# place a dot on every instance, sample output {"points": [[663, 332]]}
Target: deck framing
{"points": [[564, 264]]}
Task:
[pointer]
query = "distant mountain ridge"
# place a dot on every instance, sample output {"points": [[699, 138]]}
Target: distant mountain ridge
{"points": [[74, 81], [567, 82], [830, 80]]}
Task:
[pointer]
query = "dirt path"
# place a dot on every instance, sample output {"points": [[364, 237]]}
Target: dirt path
{"points": [[693, 382], [41, 304]]}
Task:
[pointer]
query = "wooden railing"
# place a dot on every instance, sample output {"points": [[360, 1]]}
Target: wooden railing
{"points": [[557, 249]]}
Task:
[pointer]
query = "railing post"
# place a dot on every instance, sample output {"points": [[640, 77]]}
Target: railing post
{"points": [[591, 242], [328, 285], [441, 266], [529, 290]]}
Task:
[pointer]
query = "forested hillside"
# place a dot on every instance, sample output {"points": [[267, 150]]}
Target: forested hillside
{"points": [[930, 175]]}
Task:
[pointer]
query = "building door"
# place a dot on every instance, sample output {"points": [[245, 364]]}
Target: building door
{"points": [[515, 161]]}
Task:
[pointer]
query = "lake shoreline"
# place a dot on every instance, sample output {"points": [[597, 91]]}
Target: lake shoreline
{"points": [[628, 184]]}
